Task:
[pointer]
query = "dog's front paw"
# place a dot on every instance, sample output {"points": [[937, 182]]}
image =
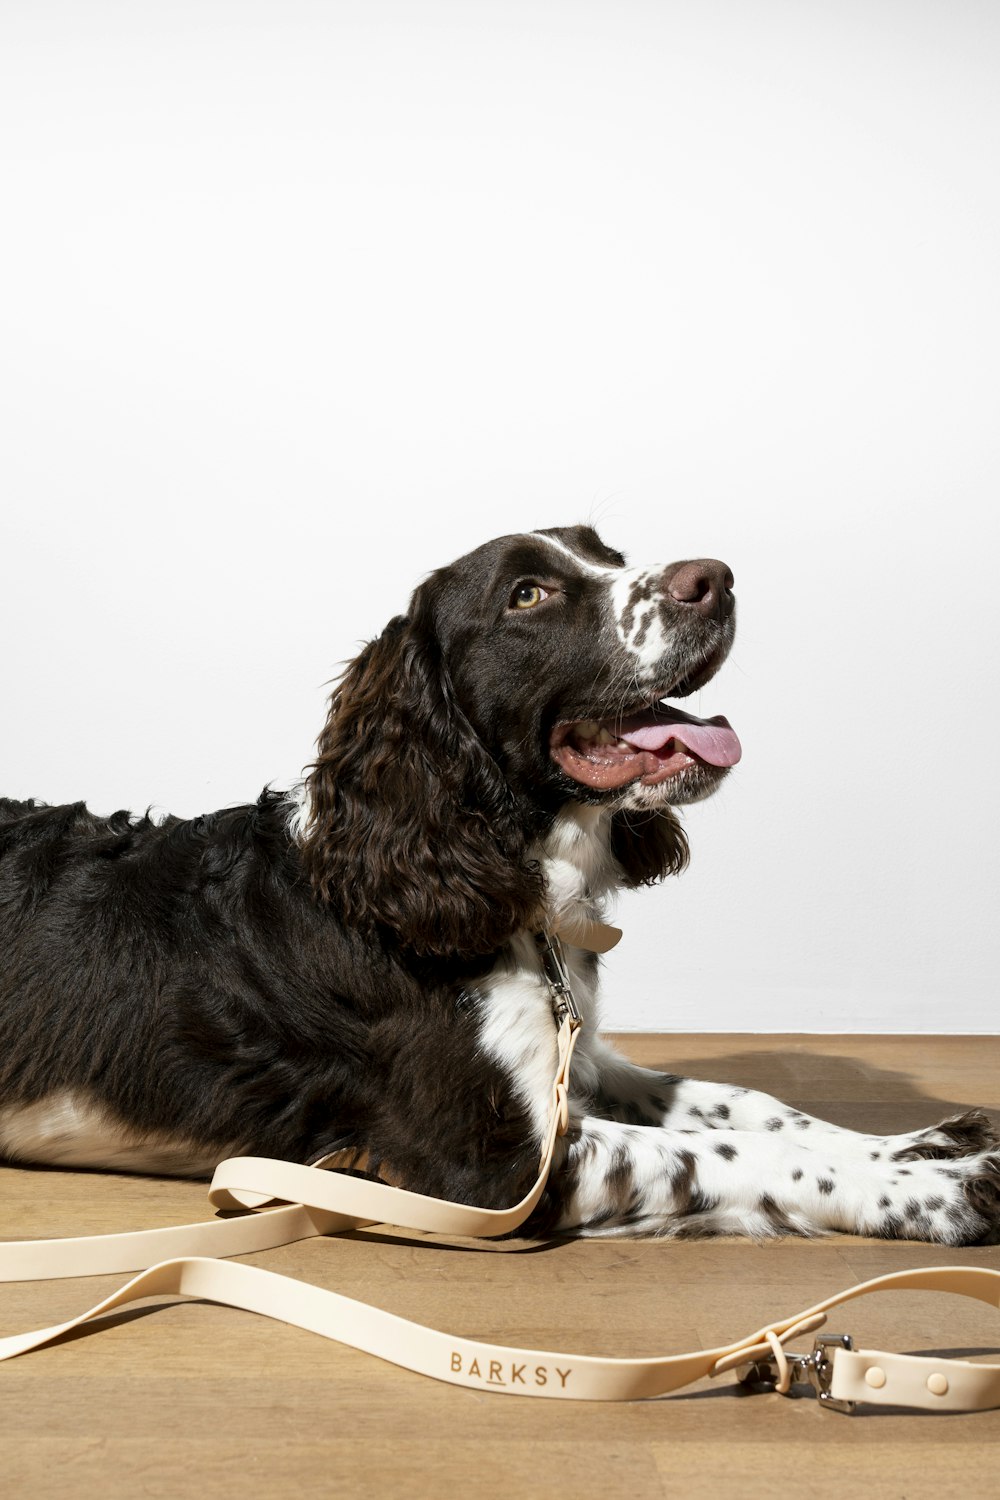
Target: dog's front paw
{"points": [[982, 1193], [960, 1135], [946, 1203]]}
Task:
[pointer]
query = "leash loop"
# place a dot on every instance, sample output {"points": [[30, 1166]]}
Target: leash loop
{"points": [[780, 1370]]}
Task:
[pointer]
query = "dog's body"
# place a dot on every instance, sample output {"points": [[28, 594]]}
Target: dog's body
{"points": [[355, 966]]}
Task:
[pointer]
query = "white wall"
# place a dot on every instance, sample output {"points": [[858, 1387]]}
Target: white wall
{"points": [[301, 299]]}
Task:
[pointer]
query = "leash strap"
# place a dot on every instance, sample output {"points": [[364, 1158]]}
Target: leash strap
{"points": [[841, 1375], [320, 1201]]}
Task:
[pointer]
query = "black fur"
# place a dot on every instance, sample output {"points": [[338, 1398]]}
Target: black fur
{"points": [[184, 975]]}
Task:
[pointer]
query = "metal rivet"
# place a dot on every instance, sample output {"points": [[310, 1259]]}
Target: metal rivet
{"points": [[875, 1377], [937, 1385]]}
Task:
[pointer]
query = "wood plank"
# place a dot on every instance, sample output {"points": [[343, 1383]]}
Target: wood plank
{"points": [[197, 1398]]}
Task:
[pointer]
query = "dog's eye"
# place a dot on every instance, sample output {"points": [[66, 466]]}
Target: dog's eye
{"points": [[527, 595]]}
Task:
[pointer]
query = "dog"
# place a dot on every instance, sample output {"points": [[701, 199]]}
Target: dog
{"points": [[354, 966]]}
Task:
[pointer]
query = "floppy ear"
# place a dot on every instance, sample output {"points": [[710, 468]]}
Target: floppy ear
{"points": [[412, 827], [648, 845]]}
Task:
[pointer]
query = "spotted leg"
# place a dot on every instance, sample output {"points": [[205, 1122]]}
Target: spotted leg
{"points": [[623, 1091], [618, 1178]]}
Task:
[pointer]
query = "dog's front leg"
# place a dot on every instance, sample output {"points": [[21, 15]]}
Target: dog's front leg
{"points": [[633, 1179], [691, 1104], [623, 1091]]}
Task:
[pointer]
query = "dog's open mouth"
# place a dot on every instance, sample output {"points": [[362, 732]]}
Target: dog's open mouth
{"points": [[650, 746]]}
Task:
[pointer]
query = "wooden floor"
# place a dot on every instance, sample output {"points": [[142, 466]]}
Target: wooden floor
{"points": [[193, 1399]]}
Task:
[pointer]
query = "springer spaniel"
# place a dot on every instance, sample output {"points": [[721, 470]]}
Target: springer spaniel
{"points": [[355, 966]]}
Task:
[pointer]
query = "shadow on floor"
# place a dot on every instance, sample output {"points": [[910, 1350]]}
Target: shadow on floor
{"points": [[840, 1088]]}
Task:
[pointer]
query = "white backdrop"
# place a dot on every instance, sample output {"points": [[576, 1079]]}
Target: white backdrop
{"points": [[302, 299]]}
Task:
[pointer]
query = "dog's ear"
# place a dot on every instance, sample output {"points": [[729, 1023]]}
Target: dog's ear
{"points": [[648, 845], [411, 825]]}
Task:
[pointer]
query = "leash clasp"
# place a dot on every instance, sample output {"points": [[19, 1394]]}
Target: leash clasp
{"points": [[815, 1368], [553, 961]]}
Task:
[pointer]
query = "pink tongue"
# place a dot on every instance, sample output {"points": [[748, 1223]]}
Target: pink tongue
{"points": [[710, 739]]}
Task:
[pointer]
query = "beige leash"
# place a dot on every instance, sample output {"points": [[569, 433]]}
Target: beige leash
{"points": [[840, 1374], [321, 1201]]}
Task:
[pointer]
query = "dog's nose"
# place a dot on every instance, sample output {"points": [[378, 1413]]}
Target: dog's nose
{"points": [[705, 585]]}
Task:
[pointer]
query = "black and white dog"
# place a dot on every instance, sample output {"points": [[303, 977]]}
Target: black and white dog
{"points": [[354, 966]]}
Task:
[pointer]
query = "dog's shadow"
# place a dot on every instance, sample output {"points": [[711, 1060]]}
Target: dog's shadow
{"points": [[845, 1090]]}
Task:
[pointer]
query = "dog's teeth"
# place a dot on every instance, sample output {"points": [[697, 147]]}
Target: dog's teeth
{"points": [[605, 737], [587, 729]]}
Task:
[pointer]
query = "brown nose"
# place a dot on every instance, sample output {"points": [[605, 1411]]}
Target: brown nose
{"points": [[705, 585]]}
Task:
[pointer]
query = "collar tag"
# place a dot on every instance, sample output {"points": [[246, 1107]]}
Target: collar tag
{"points": [[583, 932]]}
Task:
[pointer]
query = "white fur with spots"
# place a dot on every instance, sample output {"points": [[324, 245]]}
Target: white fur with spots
{"points": [[712, 1158]]}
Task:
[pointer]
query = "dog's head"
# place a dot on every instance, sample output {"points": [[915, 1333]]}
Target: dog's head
{"points": [[530, 673], [561, 657]]}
